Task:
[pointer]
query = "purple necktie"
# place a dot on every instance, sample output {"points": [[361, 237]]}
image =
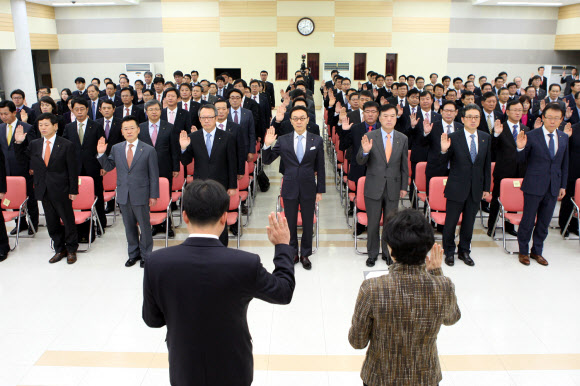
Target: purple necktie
{"points": [[107, 129], [236, 117]]}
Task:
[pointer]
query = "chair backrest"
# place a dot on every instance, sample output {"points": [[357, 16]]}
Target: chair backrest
{"points": [[235, 201], [346, 165], [86, 196], [178, 181], [190, 168], [511, 195], [164, 197], [339, 153], [437, 200], [492, 169], [110, 181], [420, 178], [577, 193], [244, 183], [360, 194], [409, 163], [15, 193]]}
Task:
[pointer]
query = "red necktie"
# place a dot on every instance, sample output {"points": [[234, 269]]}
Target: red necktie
{"points": [[503, 109], [126, 111], [185, 104], [370, 128]]}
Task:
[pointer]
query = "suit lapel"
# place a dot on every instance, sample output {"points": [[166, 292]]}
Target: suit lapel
{"points": [[217, 137], [3, 129], [290, 140], [138, 153], [377, 136], [481, 148], [55, 150]]}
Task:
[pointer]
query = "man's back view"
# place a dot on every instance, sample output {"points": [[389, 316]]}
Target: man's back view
{"points": [[201, 290]]}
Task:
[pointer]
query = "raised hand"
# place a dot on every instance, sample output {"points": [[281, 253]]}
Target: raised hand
{"points": [[567, 102], [538, 123], [498, 127], [280, 113], [366, 144], [184, 140], [427, 127], [282, 93], [375, 93], [270, 136], [193, 129], [101, 146], [436, 105], [19, 134], [359, 85], [568, 129], [23, 115], [414, 120], [278, 231], [287, 98], [331, 99], [542, 104], [445, 143], [435, 258], [383, 101], [399, 110], [364, 86], [342, 114], [569, 113], [346, 124], [522, 140], [338, 106]]}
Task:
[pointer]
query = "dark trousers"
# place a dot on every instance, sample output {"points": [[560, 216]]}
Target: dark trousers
{"points": [[307, 211], [137, 245], [4, 245], [32, 204], [566, 208], [375, 208], [414, 201], [543, 208], [494, 207], [469, 210], [65, 238]]}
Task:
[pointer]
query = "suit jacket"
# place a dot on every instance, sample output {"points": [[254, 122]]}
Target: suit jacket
{"points": [[394, 173], [483, 121], [383, 92], [86, 152], [568, 81], [60, 178], [352, 139], [246, 120], [543, 172], [235, 131], [250, 104], [135, 111], [78, 94], [166, 146], [400, 355], [265, 114], [221, 166], [207, 336], [12, 165], [543, 85], [99, 115], [575, 118], [504, 149], [193, 109], [182, 120], [466, 177], [116, 100], [271, 93], [561, 103], [435, 168], [299, 177], [211, 98], [418, 149], [115, 134], [285, 127], [140, 181], [36, 108], [540, 94], [31, 115]]}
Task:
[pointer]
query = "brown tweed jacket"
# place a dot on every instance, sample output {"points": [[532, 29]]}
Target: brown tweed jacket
{"points": [[400, 314]]}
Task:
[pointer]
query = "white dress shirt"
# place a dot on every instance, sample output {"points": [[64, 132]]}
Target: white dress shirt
{"points": [[203, 235], [224, 125], [256, 98], [511, 126], [426, 115], [84, 125], [399, 100], [51, 139], [468, 139], [303, 142], [171, 114], [555, 136], [134, 149], [125, 110], [186, 103]]}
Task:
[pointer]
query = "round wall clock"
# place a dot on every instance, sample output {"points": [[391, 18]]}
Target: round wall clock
{"points": [[305, 26]]}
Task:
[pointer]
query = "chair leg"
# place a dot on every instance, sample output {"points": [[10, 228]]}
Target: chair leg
{"points": [[17, 233], [239, 221]]}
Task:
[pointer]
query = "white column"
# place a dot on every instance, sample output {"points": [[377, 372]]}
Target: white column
{"points": [[16, 65]]}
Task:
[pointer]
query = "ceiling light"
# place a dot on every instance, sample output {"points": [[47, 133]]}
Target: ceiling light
{"points": [[530, 4]]}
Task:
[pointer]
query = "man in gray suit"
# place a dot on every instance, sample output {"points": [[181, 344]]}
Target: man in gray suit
{"points": [[137, 186], [386, 178]]}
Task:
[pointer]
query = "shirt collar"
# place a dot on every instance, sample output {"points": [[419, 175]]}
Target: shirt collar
{"points": [[238, 109], [83, 122], [296, 134], [13, 124], [51, 139], [211, 133], [546, 132], [134, 143], [203, 235], [173, 111], [224, 123], [158, 123]]}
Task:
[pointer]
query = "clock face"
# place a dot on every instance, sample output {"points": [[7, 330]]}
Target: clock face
{"points": [[305, 26]]}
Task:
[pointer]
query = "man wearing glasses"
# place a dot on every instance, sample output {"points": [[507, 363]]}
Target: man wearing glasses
{"points": [[244, 118], [304, 179], [214, 153], [468, 152]]}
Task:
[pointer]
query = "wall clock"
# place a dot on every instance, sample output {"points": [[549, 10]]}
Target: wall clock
{"points": [[305, 26]]}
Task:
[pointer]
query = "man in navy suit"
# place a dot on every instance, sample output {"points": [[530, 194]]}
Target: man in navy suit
{"points": [[178, 117], [244, 118], [303, 156], [129, 108], [81, 91], [201, 291], [94, 102], [18, 97], [269, 90], [546, 152]]}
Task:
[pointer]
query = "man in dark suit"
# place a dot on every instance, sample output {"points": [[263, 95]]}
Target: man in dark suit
{"points": [[137, 186], [4, 244], [84, 134], [111, 94], [469, 153], [18, 97], [541, 88], [303, 156], [55, 165], [546, 152], [269, 90], [235, 130], [264, 105], [42, 92], [490, 113], [94, 102], [214, 154], [283, 125], [187, 104], [568, 80], [503, 149], [249, 104], [540, 79], [384, 152], [574, 105], [111, 125], [329, 85], [14, 166], [179, 118], [129, 108], [158, 85], [554, 97], [81, 91], [207, 336], [566, 206], [164, 139], [244, 118]]}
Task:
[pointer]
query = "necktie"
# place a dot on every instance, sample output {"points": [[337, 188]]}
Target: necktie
{"points": [[503, 109], [236, 117], [159, 97], [401, 103], [299, 149], [552, 146], [449, 129], [370, 128], [81, 132], [94, 111], [208, 143], [130, 155], [427, 118], [9, 135], [47, 153], [154, 135], [185, 105], [388, 147], [255, 99], [413, 111], [172, 117], [515, 132], [107, 128], [126, 111], [489, 124], [221, 126], [473, 148]]}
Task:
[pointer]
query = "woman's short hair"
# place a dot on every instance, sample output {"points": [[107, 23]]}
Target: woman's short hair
{"points": [[410, 236]]}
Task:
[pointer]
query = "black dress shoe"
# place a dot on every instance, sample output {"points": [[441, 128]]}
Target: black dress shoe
{"points": [[132, 261], [296, 259], [512, 232], [244, 209], [305, 262], [154, 230], [360, 229], [234, 229], [450, 260], [466, 258], [3, 256], [142, 264], [371, 261], [388, 259], [171, 234], [489, 232], [439, 228], [23, 227]]}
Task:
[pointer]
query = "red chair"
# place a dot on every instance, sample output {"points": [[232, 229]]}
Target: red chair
{"points": [[244, 189], [15, 205], [489, 197], [575, 212], [350, 198], [177, 186], [110, 190], [344, 168], [511, 201], [189, 177], [437, 203], [161, 211], [84, 207], [420, 182], [339, 161], [360, 213], [235, 215]]}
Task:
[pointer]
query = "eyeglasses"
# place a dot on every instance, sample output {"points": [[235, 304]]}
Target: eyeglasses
{"points": [[299, 119], [472, 117], [153, 109], [207, 118], [552, 118], [448, 111], [370, 111], [517, 110], [235, 97]]}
